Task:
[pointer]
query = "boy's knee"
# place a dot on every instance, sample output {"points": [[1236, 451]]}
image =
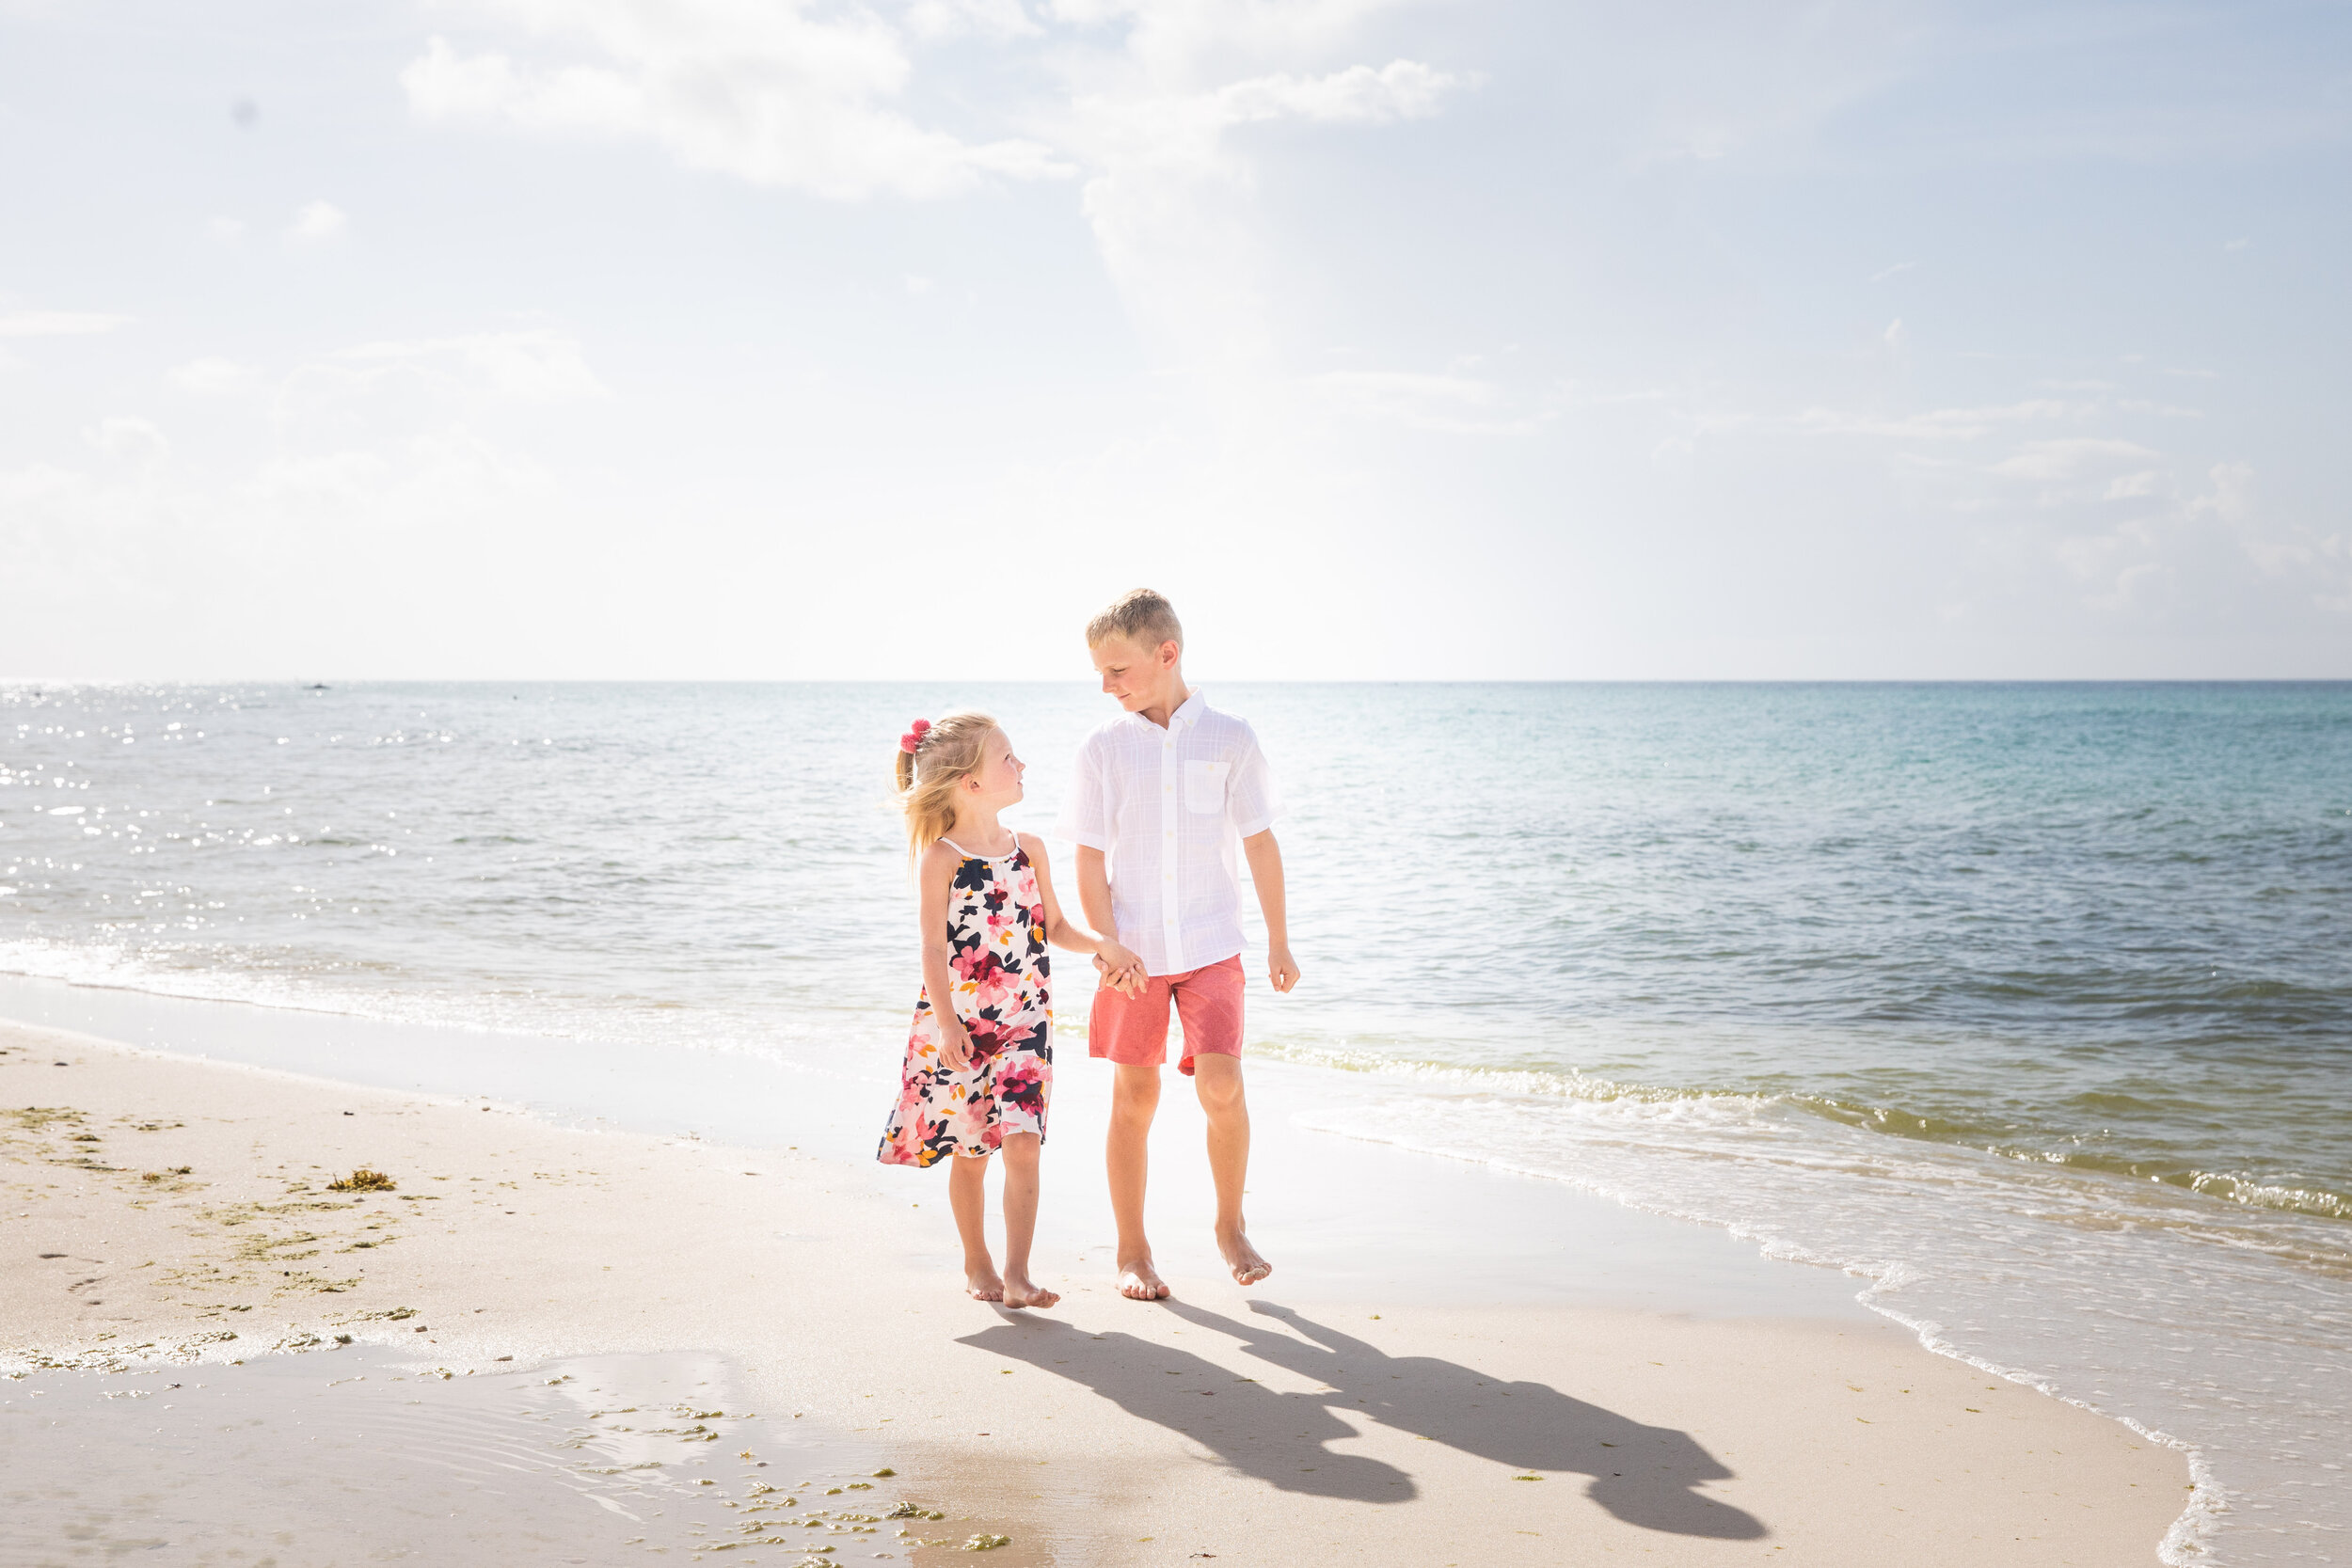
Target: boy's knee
{"points": [[1219, 1089]]}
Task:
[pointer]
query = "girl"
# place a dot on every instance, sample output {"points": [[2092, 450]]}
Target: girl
{"points": [[979, 1070]]}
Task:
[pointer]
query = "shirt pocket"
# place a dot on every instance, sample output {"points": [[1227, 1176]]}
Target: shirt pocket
{"points": [[1204, 784]]}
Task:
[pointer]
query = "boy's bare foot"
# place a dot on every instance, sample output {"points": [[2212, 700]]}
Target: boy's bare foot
{"points": [[1141, 1281], [1022, 1292], [981, 1284], [1240, 1257]]}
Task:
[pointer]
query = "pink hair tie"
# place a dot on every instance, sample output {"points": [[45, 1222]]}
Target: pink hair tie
{"points": [[913, 737]]}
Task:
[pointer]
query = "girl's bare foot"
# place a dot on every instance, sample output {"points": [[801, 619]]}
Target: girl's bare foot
{"points": [[1020, 1290], [1139, 1281], [1240, 1257], [981, 1284]]}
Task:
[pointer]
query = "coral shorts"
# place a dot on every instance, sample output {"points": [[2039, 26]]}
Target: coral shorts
{"points": [[1134, 1031]]}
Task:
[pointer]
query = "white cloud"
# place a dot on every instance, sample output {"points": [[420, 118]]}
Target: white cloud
{"points": [[127, 439], [1938, 424], [214, 377], [999, 18], [316, 223], [528, 367], [1402, 89], [58, 323], [2067, 459], [1171, 40], [1168, 201], [2197, 554], [762, 92], [1454, 403], [1124, 131]]}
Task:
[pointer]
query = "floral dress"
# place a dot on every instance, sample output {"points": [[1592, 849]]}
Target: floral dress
{"points": [[996, 942]]}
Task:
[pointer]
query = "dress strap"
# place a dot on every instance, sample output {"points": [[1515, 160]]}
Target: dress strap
{"points": [[970, 856]]}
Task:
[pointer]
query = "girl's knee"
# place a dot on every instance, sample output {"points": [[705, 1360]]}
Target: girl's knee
{"points": [[1021, 1147]]}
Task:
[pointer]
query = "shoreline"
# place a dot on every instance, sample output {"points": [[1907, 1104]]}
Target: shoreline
{"points": [[1348, 1411]]}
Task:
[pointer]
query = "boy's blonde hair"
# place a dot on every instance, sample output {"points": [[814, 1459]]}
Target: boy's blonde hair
{"points": [[1142, 617], [945, 754]]}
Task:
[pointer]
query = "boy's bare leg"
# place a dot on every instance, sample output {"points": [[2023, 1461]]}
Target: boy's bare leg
{"points": [[967, 1195], [1135, 1097], [1218, 1080], [1021, 1221]]}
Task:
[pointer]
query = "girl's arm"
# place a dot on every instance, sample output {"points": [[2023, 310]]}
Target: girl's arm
{"points": [[1121, 967], [936, 879]]}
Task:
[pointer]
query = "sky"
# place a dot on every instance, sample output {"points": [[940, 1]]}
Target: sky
{"points": [[1392, 338]]}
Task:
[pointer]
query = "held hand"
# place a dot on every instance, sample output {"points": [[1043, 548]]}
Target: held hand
{"points": [[1282, 967], [1125, 979], [1121, 968], [955, 1045]]}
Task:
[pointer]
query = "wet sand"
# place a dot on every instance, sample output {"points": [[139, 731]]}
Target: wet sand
{"points": [[160, 1213]]}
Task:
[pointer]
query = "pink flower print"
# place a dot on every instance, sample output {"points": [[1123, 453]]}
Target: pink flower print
{"points": [[1021, 1082], [996, 937], [988, 1036], [992, 984]]}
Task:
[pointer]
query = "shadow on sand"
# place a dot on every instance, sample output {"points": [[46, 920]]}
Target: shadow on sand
{"points": [[1644, 1474]]}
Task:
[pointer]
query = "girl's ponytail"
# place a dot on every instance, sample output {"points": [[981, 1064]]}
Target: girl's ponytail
{"points": [[932, 759]]}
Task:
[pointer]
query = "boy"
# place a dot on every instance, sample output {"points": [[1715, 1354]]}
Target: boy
{"points": [[1163, 792]]}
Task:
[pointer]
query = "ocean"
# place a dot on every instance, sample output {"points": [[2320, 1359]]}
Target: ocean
{"points": [[2029, 1005]]}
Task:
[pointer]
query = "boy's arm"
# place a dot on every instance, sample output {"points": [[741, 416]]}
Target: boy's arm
{"points": [[1094, 891], [1265, 874]]}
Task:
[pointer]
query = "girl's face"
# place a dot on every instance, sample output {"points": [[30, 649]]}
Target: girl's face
{"points": [[996, 783]]}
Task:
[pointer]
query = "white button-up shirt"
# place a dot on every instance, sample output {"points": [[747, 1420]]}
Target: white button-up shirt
{"points": [[1168, 808]]}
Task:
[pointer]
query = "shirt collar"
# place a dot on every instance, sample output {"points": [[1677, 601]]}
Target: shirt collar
{"points": [[1187, 713]]}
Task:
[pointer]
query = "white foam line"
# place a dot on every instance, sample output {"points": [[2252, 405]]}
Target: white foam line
{"points": [[364, 1011], [2185, 1542]]}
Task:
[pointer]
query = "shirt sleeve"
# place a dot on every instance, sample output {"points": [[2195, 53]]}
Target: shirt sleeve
{"points": [[1086, 817], [1249, 793]]}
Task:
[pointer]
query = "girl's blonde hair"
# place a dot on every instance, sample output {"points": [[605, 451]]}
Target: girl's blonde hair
{"points": [[945, 754]]}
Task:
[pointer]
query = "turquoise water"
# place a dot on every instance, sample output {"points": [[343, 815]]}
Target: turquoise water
{"points": [[2032, 1004]]}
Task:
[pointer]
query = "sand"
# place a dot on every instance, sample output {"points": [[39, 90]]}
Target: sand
{"points": [[160, 1213]]}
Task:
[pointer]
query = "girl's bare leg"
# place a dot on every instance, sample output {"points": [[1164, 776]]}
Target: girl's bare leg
{"points": [[1021, 1150], [967, 1195]]}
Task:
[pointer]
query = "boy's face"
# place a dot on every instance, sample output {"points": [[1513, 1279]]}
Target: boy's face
{"points": [[1137, 676]]}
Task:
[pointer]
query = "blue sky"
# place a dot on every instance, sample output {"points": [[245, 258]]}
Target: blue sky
{"points": [[735, 337]]}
